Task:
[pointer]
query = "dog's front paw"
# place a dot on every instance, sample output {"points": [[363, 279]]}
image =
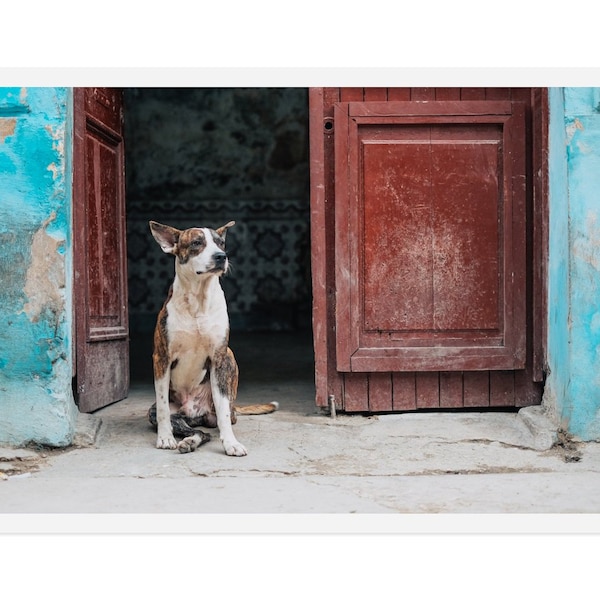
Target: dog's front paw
{"points": [[234, 448], [168, 443]]}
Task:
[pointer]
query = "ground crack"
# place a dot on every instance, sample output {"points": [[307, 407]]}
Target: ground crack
{"points": [[481, 471], [484, 441], [236, 473]]}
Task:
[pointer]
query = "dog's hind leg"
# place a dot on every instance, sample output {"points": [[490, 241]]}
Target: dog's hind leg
{"points": [[152, 416], [192, 438], [182, 427]]}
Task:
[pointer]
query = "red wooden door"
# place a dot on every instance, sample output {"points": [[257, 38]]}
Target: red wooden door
{"points": [[423, 258], [100, 262]]}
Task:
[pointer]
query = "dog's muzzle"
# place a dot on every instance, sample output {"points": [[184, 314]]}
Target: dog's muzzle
{"points": [[219, 262]]}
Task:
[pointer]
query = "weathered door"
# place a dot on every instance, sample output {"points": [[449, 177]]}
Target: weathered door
{"points": [[100, 265], [423, 253]]}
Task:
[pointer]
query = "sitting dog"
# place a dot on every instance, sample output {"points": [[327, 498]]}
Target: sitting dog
{"points": [[195, 371]]}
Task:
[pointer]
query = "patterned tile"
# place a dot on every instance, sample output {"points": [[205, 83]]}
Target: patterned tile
{"points": [[268, 285]]}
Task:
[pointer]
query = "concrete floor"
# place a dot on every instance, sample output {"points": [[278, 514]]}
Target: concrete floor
{"points": [[303, 462]]}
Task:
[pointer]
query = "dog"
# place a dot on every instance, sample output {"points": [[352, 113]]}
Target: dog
{"points": [[195, 371]]}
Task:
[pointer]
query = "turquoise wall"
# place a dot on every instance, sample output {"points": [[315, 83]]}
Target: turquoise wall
{"points": [[573, 385], [36, 401]]}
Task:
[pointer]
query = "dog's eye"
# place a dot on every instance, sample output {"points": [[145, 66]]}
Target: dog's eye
{"points": [[196, 243]]}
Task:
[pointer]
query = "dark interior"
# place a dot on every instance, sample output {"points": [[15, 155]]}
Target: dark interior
{"points": [[203, 157]]}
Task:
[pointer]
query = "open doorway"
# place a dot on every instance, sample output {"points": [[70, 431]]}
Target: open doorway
{"points": [[203, 157]]}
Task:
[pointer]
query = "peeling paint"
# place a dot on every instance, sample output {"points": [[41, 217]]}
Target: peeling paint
{"points": [[54, 170], [58, 136], [7, 128], [45, 279], [572, 128], [586, 246], [585, 148]]}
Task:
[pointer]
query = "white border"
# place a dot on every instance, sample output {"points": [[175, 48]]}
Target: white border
{"points": [[529, 524]]}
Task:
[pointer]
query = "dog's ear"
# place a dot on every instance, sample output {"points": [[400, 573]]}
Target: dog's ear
{"points": [[222, 231], [167, 237]]}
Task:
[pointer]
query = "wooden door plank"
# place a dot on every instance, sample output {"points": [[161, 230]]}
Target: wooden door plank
{"points": [[521, 95], [356, 392], [317, 136], [447, 93], [322, 129], [404, 391], [428, 390], [497, 93], [335, 381], [375, 94], [400, 94], [527, 391], [346, 281], [422, 93], [429, 113], [472, 94], [351, 94], [451, 389], [380, 392], [516, 249], [502, 388], [476, 389]]}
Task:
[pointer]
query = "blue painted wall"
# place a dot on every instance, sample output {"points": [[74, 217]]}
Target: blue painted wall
{"points": [[573, 386], [36, 401]]}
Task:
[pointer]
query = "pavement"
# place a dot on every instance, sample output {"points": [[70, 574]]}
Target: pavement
{"points": [[306, 470]]}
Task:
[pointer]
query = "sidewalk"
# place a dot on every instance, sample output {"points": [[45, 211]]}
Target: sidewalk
{"points": [[304, 462]]}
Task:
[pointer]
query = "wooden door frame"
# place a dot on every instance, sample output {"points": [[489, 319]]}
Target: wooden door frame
{"points": [[328, 382]]}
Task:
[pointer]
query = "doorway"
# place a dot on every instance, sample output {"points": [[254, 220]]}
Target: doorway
{"points": [[206, 156], [203, 157]]}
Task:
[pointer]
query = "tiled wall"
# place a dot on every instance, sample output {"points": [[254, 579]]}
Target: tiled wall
{"points": [[203, 157]]}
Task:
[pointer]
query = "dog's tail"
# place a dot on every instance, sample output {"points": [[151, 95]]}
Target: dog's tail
{"points": [[257, 409]]}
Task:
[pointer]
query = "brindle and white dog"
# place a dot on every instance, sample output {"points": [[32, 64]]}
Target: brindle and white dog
{"points": [[195, 371]]}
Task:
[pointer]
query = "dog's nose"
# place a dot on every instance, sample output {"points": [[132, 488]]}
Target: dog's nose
{"points": [[219, 258]]}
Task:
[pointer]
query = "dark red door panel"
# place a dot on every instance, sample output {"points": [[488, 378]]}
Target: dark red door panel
{"points": [[430, 236]]}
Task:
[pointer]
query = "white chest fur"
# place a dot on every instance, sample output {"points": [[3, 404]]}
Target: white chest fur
{"points": [[197, 325]]}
